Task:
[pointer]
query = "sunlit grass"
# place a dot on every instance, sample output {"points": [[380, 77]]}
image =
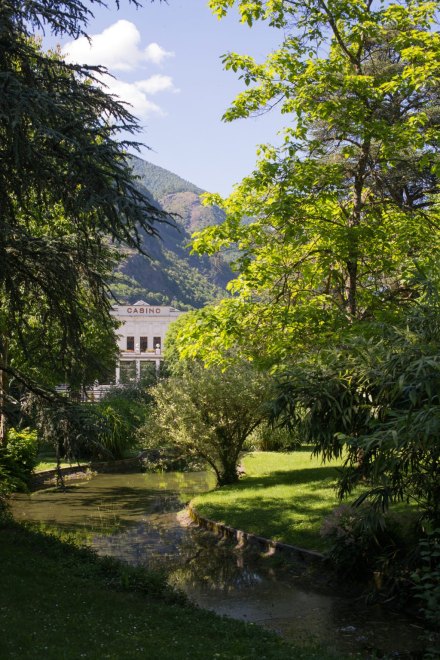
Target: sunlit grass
{"points": [[283, 496], [47, 460], [51, 465]]}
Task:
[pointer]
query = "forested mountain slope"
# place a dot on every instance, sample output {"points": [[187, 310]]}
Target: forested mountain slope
{"points": [[171, 275]]}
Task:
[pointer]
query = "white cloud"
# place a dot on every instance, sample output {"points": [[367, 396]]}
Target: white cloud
{"points": [[117, 48], [132, 94], [156, 54], [155, 84]]}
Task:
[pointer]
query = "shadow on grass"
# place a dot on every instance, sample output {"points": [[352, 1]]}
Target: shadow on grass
{"points": [[287, 478], [293, 517]]}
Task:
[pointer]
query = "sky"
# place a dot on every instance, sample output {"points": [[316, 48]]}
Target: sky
{"points": [[166, 59]]}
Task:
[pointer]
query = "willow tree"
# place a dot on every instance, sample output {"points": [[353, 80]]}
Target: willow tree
{"points": [[209, 413], [66, 195], [330, 226]]}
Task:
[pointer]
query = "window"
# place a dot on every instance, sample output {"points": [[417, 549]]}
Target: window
{"points": [[130, 343], [148, 371], [127, 372], [157, 342], [144, 344]]}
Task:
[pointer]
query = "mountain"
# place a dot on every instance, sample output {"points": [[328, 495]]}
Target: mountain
{"points": [[170, 275]]}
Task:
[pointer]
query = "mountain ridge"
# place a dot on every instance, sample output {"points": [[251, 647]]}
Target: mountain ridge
{"points": [[171, 275]]}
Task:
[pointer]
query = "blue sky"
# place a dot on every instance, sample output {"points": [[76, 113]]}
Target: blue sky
{"points": [[167, 63]]}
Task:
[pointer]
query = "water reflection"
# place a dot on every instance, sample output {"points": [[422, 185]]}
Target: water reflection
{"points": [[136, 517]]}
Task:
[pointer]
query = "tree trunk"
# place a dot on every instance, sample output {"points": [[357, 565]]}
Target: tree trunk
{"points": [[228, 475]]}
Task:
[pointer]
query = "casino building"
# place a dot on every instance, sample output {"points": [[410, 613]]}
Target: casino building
{"points": [[140, 337]]}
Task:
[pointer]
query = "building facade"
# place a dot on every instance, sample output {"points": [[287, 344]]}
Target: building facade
{"points": [[141, 336]]}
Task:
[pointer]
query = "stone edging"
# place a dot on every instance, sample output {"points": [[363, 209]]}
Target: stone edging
{"points": [[243, 538], [43, 477]]}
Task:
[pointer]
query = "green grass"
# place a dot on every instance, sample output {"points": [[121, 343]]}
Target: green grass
{"points": [[61, 602], [47, 460], [43, 465], [283, 496]]}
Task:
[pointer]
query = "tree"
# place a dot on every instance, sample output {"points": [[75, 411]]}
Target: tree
{"points": [[67, 199], [209, 413], [375, 403], [340, 214]]}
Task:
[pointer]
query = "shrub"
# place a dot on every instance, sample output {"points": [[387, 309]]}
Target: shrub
{"points": [[267, 438], [17, 460], [123, 410], [19, 457], [351, 543], [22, 449], [366, 543], [209, 413], [427, 587], [121, 421]]}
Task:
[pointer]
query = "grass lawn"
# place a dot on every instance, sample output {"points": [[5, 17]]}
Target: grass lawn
{"points": [[43, 465], [47, 459], [60, 602], [283, 496]]}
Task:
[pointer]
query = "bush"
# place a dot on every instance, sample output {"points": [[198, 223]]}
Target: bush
{"points": [[123, 410], [209, 413], [19, 457], [267, 438], [17, 460], [427, 587], [22, 449], [365, 543], [351, 544], [121, 420]]}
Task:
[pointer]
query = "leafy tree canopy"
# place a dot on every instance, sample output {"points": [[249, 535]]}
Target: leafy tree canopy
{"points": [[375, 403], [344, 212], [66, 195], [209, 413]]}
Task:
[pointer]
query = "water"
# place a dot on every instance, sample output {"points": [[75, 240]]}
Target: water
{"points": [[139, 518]]}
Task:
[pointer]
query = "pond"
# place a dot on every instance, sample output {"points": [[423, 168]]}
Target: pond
{"points": [[139, 518]]}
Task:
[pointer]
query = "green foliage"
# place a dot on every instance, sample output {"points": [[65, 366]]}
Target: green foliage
{"points": [[74, 430], [349, 201], [19, 457], [122, 419], [17, 460], [174, 364], [122, 411], [358, 545], [269, 438], [67, 197], [209, 414], [376, 402], [22, 449]]}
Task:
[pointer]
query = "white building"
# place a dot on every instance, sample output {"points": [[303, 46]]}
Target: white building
{"points": [[141, 337]]}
